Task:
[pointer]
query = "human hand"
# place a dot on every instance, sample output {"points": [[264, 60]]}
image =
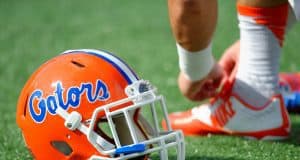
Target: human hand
{"points": [[201, 89], [207, 87], [229, 61]]}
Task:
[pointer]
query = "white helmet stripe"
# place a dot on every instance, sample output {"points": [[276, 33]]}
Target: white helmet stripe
{"points": [[122, 67]]}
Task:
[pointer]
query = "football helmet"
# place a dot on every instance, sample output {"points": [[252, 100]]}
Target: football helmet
{"points": [[89, 104]]}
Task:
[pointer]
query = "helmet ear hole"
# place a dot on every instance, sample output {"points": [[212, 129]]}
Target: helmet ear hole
{"points": [[25, 107], [62, 147]]}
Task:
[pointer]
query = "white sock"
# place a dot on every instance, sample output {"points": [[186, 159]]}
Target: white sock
{"points": [[257, 75]]}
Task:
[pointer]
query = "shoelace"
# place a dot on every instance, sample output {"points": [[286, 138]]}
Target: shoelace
{"points": [[224, 93], [224, 111]]}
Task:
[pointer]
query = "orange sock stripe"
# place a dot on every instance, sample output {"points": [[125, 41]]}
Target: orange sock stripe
{"points": [[275, 18]]}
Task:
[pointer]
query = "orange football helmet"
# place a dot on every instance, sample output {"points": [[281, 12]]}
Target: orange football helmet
{"points": [[88, 104]]}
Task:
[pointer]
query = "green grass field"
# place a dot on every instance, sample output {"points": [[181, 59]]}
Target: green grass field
{"points": [[138, 31]]}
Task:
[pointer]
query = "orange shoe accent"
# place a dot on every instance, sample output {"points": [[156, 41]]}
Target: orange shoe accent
{"points": [[223, 114], [229, 114], [185, 121], [275, 18]]}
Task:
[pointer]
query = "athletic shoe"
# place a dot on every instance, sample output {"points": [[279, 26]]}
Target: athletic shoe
{"points": [[227, 113], [289, 85]]}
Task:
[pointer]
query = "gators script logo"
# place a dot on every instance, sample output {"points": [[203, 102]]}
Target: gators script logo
{"points": [[39, 105]]}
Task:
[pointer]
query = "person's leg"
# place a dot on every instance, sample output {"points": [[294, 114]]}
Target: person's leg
{"points": [[262, 26], [249, 105]]}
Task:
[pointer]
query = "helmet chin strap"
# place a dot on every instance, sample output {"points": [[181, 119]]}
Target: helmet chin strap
{"points": [[73, 122]]}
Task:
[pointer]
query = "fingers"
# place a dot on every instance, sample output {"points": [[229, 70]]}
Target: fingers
{"points": [[230, 58], [207, 91], [207, 87], [229, 61], [202, 89]]}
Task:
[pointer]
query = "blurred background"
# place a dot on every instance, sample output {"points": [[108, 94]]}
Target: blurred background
{"points": [[138, 31]]}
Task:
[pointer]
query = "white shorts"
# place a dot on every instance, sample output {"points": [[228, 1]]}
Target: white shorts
{"points": [[295, 5]]}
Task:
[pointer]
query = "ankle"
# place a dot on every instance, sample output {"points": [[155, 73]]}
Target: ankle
{"points": [[255, 95]]}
